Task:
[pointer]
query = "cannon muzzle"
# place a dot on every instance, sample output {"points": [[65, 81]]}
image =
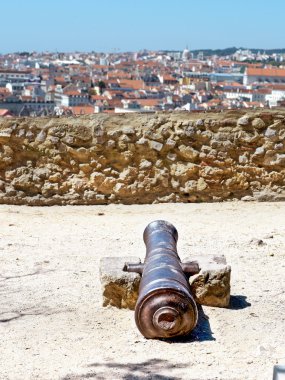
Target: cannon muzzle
{"points": [[165, 307]]}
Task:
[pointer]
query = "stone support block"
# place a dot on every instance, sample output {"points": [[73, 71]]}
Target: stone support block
{"points": [[210, 287], [119, 288]]}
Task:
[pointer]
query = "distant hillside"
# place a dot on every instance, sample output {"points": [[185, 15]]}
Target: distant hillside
{"points": [[232, 50]]}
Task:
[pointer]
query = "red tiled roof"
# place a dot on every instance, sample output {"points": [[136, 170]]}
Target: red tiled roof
{"points": [[82, 110], [100, 67], [119, 74], [132, 83], [4, 90], [74, 93], [148, 102], [274, 86], [169, 78], [114, 103], [4, 112], [232, 84], [26, 98], [224, 63], [266, 72], [98, 97], [263, 91]]}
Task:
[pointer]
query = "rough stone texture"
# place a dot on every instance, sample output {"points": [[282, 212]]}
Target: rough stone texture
{"points": [[164, 157], [119, 288], [210, 287]]}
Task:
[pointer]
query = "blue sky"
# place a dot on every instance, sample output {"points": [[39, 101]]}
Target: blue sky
{"points": [[130, 25]]}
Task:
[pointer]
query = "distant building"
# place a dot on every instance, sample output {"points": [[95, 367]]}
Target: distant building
{"points": [[27, 108], [186, 55], [243, 55], [200, 56], [131, 106], [250, 95], [275, 97], [15, 76], [16, 88], [5, 113], [167, 79], [253, 75], [73, 98]]}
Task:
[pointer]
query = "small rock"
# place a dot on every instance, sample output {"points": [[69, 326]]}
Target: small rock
{"points": [[188, 152], [243, 121], [278, 146], [199, 123], [280, 159], [5, 134], [111, 143], [258, 242], [268, 236], [253, 315], [155, 145], [100, 197], [243, 159], [41, 136], [259, 151], [258, 123], [171, 156], [201, 184], [145, 164], [142, 141], [270, 132], [170, 143], [128, 131]]}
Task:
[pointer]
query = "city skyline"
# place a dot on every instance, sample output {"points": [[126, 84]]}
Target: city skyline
{"points": [[121, 26]]}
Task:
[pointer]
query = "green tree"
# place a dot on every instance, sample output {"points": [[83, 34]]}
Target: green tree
{"points": [[101, 86]]}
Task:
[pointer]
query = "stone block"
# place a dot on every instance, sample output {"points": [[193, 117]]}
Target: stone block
{"points": [[243, 121], [211, 286], [258, 123], [155, 145], [119, 288], [5, 134]]}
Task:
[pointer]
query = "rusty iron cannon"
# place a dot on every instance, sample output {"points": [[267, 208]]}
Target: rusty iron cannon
{"points": [[165, 307]]}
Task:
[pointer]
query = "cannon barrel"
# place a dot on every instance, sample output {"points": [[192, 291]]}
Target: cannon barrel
{"points": [[165, 307]]}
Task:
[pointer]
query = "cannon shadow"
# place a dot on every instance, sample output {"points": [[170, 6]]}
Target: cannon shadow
{"points": [[148, 369], [201, 333], [238, 302]]}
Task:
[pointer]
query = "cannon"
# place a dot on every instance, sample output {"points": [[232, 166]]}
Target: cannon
{"points": [[165, 307]]}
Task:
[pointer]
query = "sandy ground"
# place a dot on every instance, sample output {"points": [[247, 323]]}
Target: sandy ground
{"points": [[53, 326]]}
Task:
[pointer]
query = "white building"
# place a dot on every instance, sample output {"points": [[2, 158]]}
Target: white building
{"points": [[270, 75], [250, 95], [15, 88], [274, 97], [186, 55], [10, 76], [72, 99]]}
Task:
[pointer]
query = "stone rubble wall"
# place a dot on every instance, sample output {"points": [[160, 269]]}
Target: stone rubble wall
{"points": [[135, 158]]}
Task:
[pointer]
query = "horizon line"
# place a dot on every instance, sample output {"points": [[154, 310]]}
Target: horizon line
{"points": [[118, 50]]}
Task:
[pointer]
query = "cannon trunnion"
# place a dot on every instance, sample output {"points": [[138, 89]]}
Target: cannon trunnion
{"points": [[165, 307]]}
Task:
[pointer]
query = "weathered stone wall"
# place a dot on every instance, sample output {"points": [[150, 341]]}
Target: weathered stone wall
{"points": [[175, 157]]}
